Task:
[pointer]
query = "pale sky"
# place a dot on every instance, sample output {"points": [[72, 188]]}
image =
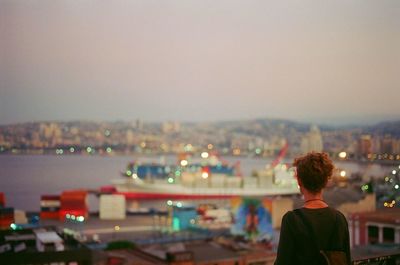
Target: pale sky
{"points": [[317, 61]]}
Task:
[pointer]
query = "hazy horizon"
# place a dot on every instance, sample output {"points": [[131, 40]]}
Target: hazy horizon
{"points": [[332, 123], [332, 62]]}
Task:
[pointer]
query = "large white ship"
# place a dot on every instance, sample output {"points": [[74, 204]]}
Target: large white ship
{"points": [[209, 179], [194, 186]]}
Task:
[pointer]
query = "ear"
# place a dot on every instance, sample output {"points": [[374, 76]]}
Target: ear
{"points": [[299, 181]]}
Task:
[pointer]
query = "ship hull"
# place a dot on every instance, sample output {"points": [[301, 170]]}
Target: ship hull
{"points": [[156, 191]]}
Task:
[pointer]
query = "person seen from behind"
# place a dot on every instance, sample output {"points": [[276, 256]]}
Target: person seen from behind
{"points": [[315, 226]]}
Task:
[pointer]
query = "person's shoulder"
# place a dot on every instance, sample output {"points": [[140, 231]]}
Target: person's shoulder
{"points": [[336, 211], [339, 214], [288, 215], [288, 219]]}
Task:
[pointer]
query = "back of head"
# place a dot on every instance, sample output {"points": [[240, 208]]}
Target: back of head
{"points": [[313, 170]]}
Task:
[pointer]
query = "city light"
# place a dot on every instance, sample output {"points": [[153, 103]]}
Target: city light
{"points": [[204, 155], [80, 218], [210, 146], [134, 176], [396, 186], [59, 151], [179, 204], [204, 175], [89, 149], [188, 148], [343, 173], [343, 155], [117, 228], [72, 149], [169, 202], [128, 173], [386, 179], [170, 180], [365, 187], [184, 162], [394, 172], [13, 226], [389, 205]]}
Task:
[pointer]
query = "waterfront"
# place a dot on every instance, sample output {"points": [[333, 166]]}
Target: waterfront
{"points": [[23, 178]]}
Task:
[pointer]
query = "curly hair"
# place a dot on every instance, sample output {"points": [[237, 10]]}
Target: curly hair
{"points": [[314, 170]]}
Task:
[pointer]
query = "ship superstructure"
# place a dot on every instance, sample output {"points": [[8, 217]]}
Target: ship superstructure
{"points": [[208, 178]]}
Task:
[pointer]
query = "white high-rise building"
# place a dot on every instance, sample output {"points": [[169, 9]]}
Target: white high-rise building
{"points": [[312, 141], [130, 137]]}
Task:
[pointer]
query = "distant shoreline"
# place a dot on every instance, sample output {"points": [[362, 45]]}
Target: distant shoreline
{"points": [[387, 162]]}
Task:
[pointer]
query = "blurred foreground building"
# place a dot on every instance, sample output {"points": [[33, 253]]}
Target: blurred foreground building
{"points": [[220, 251], [379, 227], [41, 246]]}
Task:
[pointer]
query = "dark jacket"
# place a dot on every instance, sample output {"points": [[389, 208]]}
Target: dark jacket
{"points": [[294, 241]]}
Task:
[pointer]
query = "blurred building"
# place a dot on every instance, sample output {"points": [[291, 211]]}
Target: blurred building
{"points": [[139, 124], [376, 142], [41, 246], [387, 145], [129, 137], [220, 251], [396, 146], [312, 141], [51, 132], [378, 227], [364, 147], [171, 127]]}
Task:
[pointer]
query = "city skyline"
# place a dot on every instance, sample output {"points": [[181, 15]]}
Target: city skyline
{"points": [[331, 63], [257, 137]]}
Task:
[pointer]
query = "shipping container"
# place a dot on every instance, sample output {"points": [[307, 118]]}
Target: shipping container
{"points": [[6, 217], [112, 207], [50, 206], [2, 200], [74, 203]]}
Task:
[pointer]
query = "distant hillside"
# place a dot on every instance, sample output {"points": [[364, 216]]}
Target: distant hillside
{"points": [[382, 128]]}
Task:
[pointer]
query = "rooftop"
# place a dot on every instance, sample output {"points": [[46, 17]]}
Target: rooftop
{"points": [[388, 215]]}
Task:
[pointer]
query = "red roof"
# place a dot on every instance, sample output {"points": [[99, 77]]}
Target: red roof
{"points": [[391, 215]]}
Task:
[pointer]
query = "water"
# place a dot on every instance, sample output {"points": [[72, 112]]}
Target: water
{"points": [[24, 178]]}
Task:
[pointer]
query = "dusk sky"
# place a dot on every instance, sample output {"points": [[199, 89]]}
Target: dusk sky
{"points": [[332, 62]]}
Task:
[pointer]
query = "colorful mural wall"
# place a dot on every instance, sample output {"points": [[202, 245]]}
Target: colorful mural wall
{"points": [[252, 218]]}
